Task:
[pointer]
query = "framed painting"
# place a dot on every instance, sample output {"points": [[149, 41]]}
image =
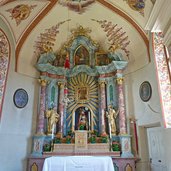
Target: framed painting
{"points": [[145, 91], [102, 59], [81, 56], [20, 98]]}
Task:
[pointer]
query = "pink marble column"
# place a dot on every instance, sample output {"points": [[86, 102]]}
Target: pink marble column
{"points": [[121, 107], [41, 114], [61, 106], [102, 105]]}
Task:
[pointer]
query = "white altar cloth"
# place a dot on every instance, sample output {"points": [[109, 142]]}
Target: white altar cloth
{"points": [[78, 163]]}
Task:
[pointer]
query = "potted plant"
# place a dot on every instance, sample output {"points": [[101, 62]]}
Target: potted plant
{"points": [[104, 137]]}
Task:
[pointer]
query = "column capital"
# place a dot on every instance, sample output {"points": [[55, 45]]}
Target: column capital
{"points": [[61, 84], [43, 82], [119, 80], [102, 83]]}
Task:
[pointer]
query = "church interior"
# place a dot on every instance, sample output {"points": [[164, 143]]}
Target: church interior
{"points": [[87, 78]]}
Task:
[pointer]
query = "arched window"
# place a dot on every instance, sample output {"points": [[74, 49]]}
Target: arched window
{"points": [[4, 65]]}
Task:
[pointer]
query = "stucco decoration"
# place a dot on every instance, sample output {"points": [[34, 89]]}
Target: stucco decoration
{"points": [[116, 36], [163, 78], [137, 5], [76, 5], [4, 63], [21, 12], [46, 40]]}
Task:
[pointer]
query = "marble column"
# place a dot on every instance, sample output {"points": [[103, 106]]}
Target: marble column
{"points": [[61, 107], [41, 114], [102, 105], [121, 107]]}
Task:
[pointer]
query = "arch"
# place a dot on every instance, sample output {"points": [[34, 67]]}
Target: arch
{"points": [[105, 3], [5, 51]]}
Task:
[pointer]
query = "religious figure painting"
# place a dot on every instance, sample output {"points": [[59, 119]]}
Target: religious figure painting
{"points": [[21, 12], [145, 91], [101, 59], [81, 56]]}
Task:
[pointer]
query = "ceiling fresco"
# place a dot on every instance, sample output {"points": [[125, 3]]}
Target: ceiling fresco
{"points": [[117, 25]]}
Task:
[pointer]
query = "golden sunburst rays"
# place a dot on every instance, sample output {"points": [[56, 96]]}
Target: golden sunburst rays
{"points": [[83, 90]]}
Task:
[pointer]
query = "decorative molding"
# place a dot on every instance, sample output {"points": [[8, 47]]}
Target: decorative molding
{"points": [[4, 65], [163, 78], [167, 37], [154, 14], [159, 16]]}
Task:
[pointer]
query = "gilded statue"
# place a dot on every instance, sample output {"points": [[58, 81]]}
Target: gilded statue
{"points": [[111, 114], [52, 119]]}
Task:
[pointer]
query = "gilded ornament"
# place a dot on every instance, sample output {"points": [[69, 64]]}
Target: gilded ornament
{"points": [[119, 80], [43, 82]]}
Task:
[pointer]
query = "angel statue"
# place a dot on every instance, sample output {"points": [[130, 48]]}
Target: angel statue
{"points": [[52, 119], [111, 114]]}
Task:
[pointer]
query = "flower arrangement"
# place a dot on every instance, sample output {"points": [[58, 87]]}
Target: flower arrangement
{"points": [[47, 147], [115, 146], [68, 139], [92, 139], [81, 127], [104, 137], [57, 139]]}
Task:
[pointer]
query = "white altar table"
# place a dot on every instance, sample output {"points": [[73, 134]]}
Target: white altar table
{"points": [[78, 163]]}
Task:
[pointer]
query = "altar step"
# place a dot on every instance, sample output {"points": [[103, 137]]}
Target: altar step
{"points": [[97, 149]]}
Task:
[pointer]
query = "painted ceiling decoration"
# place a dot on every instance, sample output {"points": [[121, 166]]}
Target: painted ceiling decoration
{"points": [[4, 64], [27, 18], [46, 40], [116, 36], [137, 5], [21, 12], [76, 5]]}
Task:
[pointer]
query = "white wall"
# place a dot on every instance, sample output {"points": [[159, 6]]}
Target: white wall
{"points": [[17, 125], [148, 113]]}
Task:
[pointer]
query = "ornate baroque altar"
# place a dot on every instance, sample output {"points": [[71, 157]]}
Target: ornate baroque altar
{"points": [[79, 86]]}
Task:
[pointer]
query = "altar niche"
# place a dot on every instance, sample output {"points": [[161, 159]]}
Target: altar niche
{"points": [[82, 119]]}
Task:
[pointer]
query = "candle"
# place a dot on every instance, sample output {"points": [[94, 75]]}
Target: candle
{"points": [[53, 130], [89, 120]]}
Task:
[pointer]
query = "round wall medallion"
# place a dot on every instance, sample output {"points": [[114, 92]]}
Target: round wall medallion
{"points": [[145, 91], [20, 98]]}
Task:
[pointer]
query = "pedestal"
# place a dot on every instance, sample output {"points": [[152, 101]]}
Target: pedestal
{"points": [[125, 141], [37, 146]]}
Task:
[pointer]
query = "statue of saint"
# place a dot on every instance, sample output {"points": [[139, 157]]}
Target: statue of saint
{"points": [[52, 117], [111, 114], [82, 122]]}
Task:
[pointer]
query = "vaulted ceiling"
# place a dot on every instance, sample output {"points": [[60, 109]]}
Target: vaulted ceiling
{"points": [[32, 21]]}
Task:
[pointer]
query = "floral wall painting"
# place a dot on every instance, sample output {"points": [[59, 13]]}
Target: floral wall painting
{"points": [[75, 5], [116, 36], [4, 64], [21, 12], [137, 5]]}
